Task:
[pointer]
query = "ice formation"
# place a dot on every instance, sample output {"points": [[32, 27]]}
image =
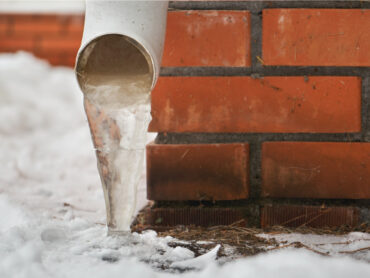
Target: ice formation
{"points": [[125, 156], [116, 80]]}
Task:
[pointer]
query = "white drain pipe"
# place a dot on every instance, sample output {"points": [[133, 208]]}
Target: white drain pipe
{"points": [[142, 23], [121, 48]]}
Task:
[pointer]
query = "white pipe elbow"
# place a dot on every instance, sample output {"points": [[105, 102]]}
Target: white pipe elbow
{"points": [[121, 37]]}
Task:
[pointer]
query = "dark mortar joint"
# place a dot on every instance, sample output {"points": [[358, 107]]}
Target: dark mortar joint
{"points": [[360, 203], [259, 70], [255, 162], [256, 6], [366, 107], [253, 138]]}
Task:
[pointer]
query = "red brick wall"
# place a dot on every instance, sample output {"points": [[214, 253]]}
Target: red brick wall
{"points": [[288, 81], [55, 38], [192, 37], [258, 101]]}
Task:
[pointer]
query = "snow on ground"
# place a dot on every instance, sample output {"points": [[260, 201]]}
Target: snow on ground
{"points": [[43, 6], [52, 208], [332, 245]]}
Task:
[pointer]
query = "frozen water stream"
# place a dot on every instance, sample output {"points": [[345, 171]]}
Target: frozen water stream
{"points": [[131, 115], [116, 79]]}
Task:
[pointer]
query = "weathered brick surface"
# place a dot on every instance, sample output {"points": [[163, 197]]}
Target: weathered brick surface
{"points": [[270, 104], [61, 45], [36, 25], [194, 38], [322, 37], [310, 216], [12, 44], [271, 215], [316, 170], [55, 38], [207, 38], [198, 172], [56, 57], [4, 28], [203, 217]]}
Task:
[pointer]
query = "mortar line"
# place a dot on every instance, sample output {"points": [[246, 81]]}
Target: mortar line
{"points": [[250, 5], [360, 203], [365, 107], [227, 138], [255, 161], [265, 70], [256, 40]]}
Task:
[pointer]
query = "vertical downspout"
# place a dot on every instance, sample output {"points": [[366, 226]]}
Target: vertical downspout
{"points": [[117, 66]]}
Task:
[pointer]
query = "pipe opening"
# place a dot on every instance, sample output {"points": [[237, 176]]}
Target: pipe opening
{"points": [[115, 70]]}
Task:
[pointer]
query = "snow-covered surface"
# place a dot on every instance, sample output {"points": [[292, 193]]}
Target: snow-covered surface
{"points": [[199, 262], [52, 207], [43, 6], [47, 6], [332, 245]]}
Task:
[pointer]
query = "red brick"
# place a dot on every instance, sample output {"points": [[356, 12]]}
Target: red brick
{"points": [[74, 26], [57, 57], [207, 38], [3, 18], [325, 170], [14, 44], [37, 17], [66, 44], [36, 25], [43, 25], [270, 104], [309, 216], [51, 59], [316, 37], [4, 28], [69, 61], [204, 217], [198, 172]]}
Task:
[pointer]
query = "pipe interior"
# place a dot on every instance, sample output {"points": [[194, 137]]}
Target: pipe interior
{"points": [[114, 59]]}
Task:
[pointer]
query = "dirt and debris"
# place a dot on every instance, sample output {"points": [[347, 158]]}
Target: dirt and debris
{"points": [[235, 241], [238, 241]]}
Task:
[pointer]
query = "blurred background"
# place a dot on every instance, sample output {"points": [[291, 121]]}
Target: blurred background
{"points": [[50, 29]]}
